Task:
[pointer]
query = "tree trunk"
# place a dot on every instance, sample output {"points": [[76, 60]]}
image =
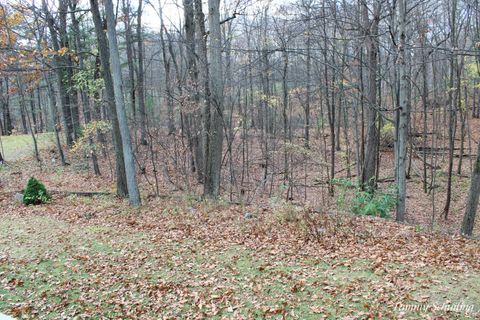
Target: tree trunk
{"points": [[371, 149], [213, 152], [169, 91], [194, 117], [203, 72], [141, 78], [7, 118], [402, 133], [59, 67], [68, 63], [54, 115], [472, 202], [103, 49], [452, 102], [129, 42], [133, 193]]}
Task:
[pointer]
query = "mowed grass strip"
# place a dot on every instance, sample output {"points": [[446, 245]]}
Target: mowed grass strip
{"points": [[52, 269], [17, 147]]}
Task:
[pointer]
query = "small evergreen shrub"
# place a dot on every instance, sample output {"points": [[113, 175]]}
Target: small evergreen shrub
{"points": [[35, 193]]}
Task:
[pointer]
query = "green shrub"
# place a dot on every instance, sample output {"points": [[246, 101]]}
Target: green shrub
{"points": [[373, 204], [35, 193], [368, 203]]}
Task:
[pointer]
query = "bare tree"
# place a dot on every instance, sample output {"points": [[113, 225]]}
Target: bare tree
{"points": [[402, 113], [472, 200], [370, 26], [133, 193], [214, 134], [103, 49], [141, 77]]}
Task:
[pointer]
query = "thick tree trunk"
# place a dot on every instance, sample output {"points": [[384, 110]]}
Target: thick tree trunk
{"points": [[103, 49], [133, 193], [371, 149], [213, 153], [402, 129], [203, 72]]}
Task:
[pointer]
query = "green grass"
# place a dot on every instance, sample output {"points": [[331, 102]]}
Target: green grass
{"points": [[17, 147], [51, 269]]}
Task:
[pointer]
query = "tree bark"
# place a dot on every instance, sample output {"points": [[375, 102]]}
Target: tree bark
{"points": [[115, 69], [401, 146], [141, 77], [71, 92], [194, 117], [472, 202], [103, 49], [54, 115], [371, 149], [203, 73], [129, 42], [452, 102], [213, 152]]}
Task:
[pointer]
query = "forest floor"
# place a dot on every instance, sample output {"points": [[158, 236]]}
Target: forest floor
{"points": [[179, 258]]}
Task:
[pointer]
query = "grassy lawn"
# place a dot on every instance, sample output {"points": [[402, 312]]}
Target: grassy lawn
{"points": [[51, 269], [16, 147]]}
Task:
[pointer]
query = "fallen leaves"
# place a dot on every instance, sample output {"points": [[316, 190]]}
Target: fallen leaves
{"points": [[12, 283], [165, 260]]}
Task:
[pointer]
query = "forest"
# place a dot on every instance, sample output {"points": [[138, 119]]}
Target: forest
{"points": [[239, 159]]}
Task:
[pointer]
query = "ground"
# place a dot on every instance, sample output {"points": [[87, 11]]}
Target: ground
{"points": [[20, 146], [179, 258]]}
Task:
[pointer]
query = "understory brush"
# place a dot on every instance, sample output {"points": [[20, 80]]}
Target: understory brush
{"points": [[319, 226], [351, 197]]}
